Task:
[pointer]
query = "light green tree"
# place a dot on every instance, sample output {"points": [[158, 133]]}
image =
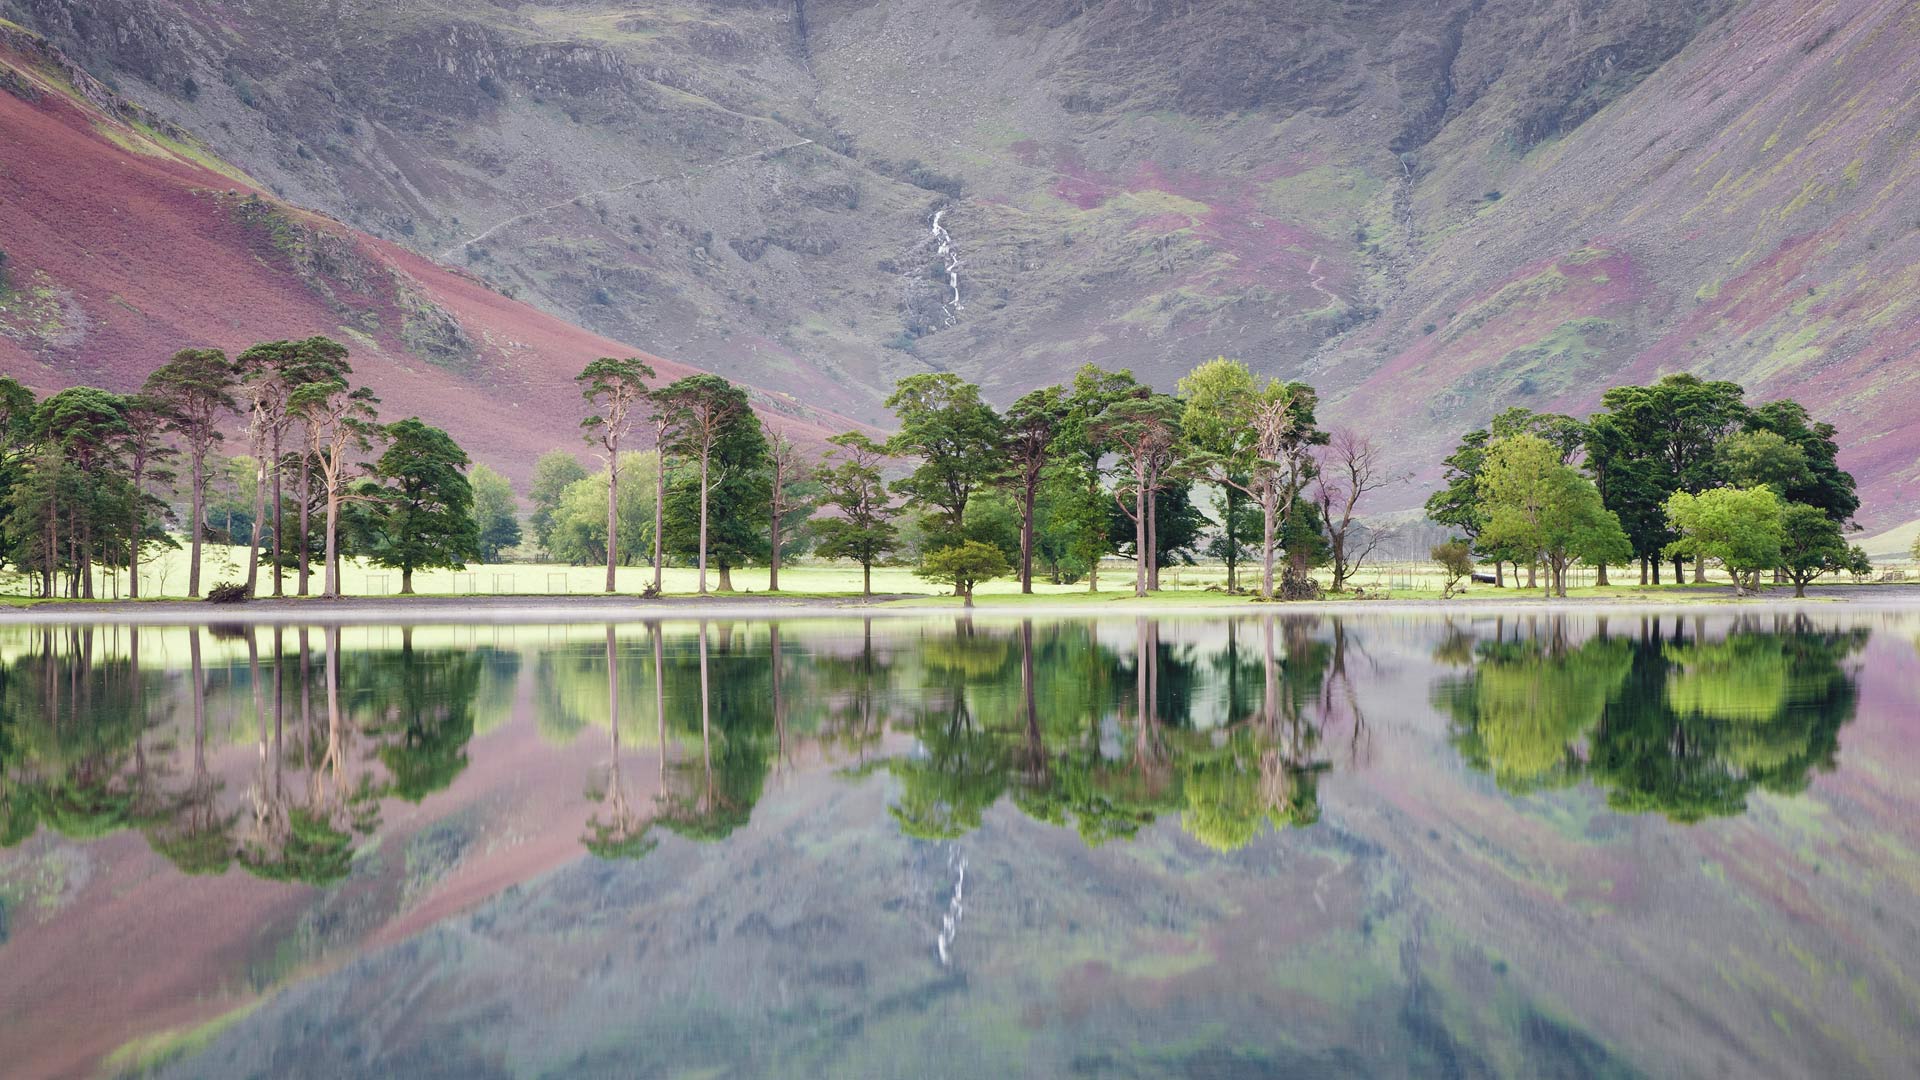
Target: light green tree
{"points": [[1740, 528], [552, 474], [1537, 504], [964, 566], [1811, 544], [494, 511]]}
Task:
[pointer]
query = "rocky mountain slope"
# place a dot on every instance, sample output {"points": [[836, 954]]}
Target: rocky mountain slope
{"points": [[1431, 209], [126, 239]]}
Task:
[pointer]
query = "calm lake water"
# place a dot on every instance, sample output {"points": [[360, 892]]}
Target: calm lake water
{"points": [[1531, 846]]}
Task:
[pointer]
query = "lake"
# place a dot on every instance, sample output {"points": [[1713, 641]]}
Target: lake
{"points": [[1530, 845]]}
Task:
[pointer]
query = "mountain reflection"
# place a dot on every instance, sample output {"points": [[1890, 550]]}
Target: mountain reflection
{"points": [[1665, 719], [280, 750]]}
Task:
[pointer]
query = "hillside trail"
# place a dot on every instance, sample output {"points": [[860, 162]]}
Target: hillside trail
{"points": [[1314, 280], [614, 190]]}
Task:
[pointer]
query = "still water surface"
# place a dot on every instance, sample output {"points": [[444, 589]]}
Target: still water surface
{"points": [[1274, 846]]}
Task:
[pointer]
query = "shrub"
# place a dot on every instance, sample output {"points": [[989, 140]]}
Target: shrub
{"points": [[228, 592]]}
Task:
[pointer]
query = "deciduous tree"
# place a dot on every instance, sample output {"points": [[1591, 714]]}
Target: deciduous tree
{"points": [[1535, 503], [956, 439], [1811, 545], [964, 566], [851, 483], [494, 512], [1740, 528]]}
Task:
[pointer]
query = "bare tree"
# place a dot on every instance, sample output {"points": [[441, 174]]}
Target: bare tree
{"points": [[1145, 429], [789, 467], [1349, 468], [339, 421]]}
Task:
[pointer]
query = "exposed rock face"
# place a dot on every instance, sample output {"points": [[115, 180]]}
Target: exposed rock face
{"points": [[1446, 205]]}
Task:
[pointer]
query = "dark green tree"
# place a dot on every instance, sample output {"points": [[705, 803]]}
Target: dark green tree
{"points": [[861, 528], [195, 388], [718, 506], [957, 441], [421, 503], [702, 412]]}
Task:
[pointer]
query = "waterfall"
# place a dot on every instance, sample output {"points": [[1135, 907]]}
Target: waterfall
{"points": [[950, 922], [950, 255]]}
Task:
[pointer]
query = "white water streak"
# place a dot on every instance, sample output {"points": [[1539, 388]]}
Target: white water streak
{"points": [[950, 922], [944, 247]]}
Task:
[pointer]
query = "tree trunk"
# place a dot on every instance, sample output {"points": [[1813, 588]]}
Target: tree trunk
{"points": [[1026, 541], [1267, 523], [1499, 573], [704, 457], [773, 547], [1700, 571], [133, 539], [196, 473], [86, 561], [1602, 579], [331, 587], [1153, 544], [1233, 545], [406, 581], [279, 512], [726, 577], [967, 596], [1799, 589], [1140, 535], [1679, 571], [259, 509], [306, 500], [866, 579], [1533, 574], [659, 513], [613, 509]]}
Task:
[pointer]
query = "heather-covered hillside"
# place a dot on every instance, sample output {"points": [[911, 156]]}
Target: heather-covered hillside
{"points": [[126, 239], [1433, 210]]}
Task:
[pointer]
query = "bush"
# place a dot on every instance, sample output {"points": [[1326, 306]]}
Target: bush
{"points": [[228, 592], [1456, 562]]}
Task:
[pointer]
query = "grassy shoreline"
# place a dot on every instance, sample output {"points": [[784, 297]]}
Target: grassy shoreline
{"points": [[573, 607]]}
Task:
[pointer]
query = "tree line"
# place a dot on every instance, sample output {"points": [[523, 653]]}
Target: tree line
{"points": [[1066, 476], [1683, 472], [84, 472]]}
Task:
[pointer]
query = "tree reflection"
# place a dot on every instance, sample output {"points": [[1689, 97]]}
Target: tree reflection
{"points": [[616, 830], [1664, 721]]}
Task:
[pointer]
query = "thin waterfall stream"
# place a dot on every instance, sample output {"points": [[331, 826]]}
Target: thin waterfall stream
{"points": [[950, 256]]}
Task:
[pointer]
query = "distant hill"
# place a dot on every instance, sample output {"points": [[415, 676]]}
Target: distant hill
{"points": [[1433, 209]]}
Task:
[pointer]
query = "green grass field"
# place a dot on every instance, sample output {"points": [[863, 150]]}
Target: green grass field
{"points": [[165, 577]]}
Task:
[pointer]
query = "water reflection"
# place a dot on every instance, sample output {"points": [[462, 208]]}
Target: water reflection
{"points": [[1100, 727], [1667, 719], [805, 841]]}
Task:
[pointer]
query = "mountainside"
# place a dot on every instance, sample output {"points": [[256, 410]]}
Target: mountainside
{"points": [[1433, 209], [126, 239]]}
